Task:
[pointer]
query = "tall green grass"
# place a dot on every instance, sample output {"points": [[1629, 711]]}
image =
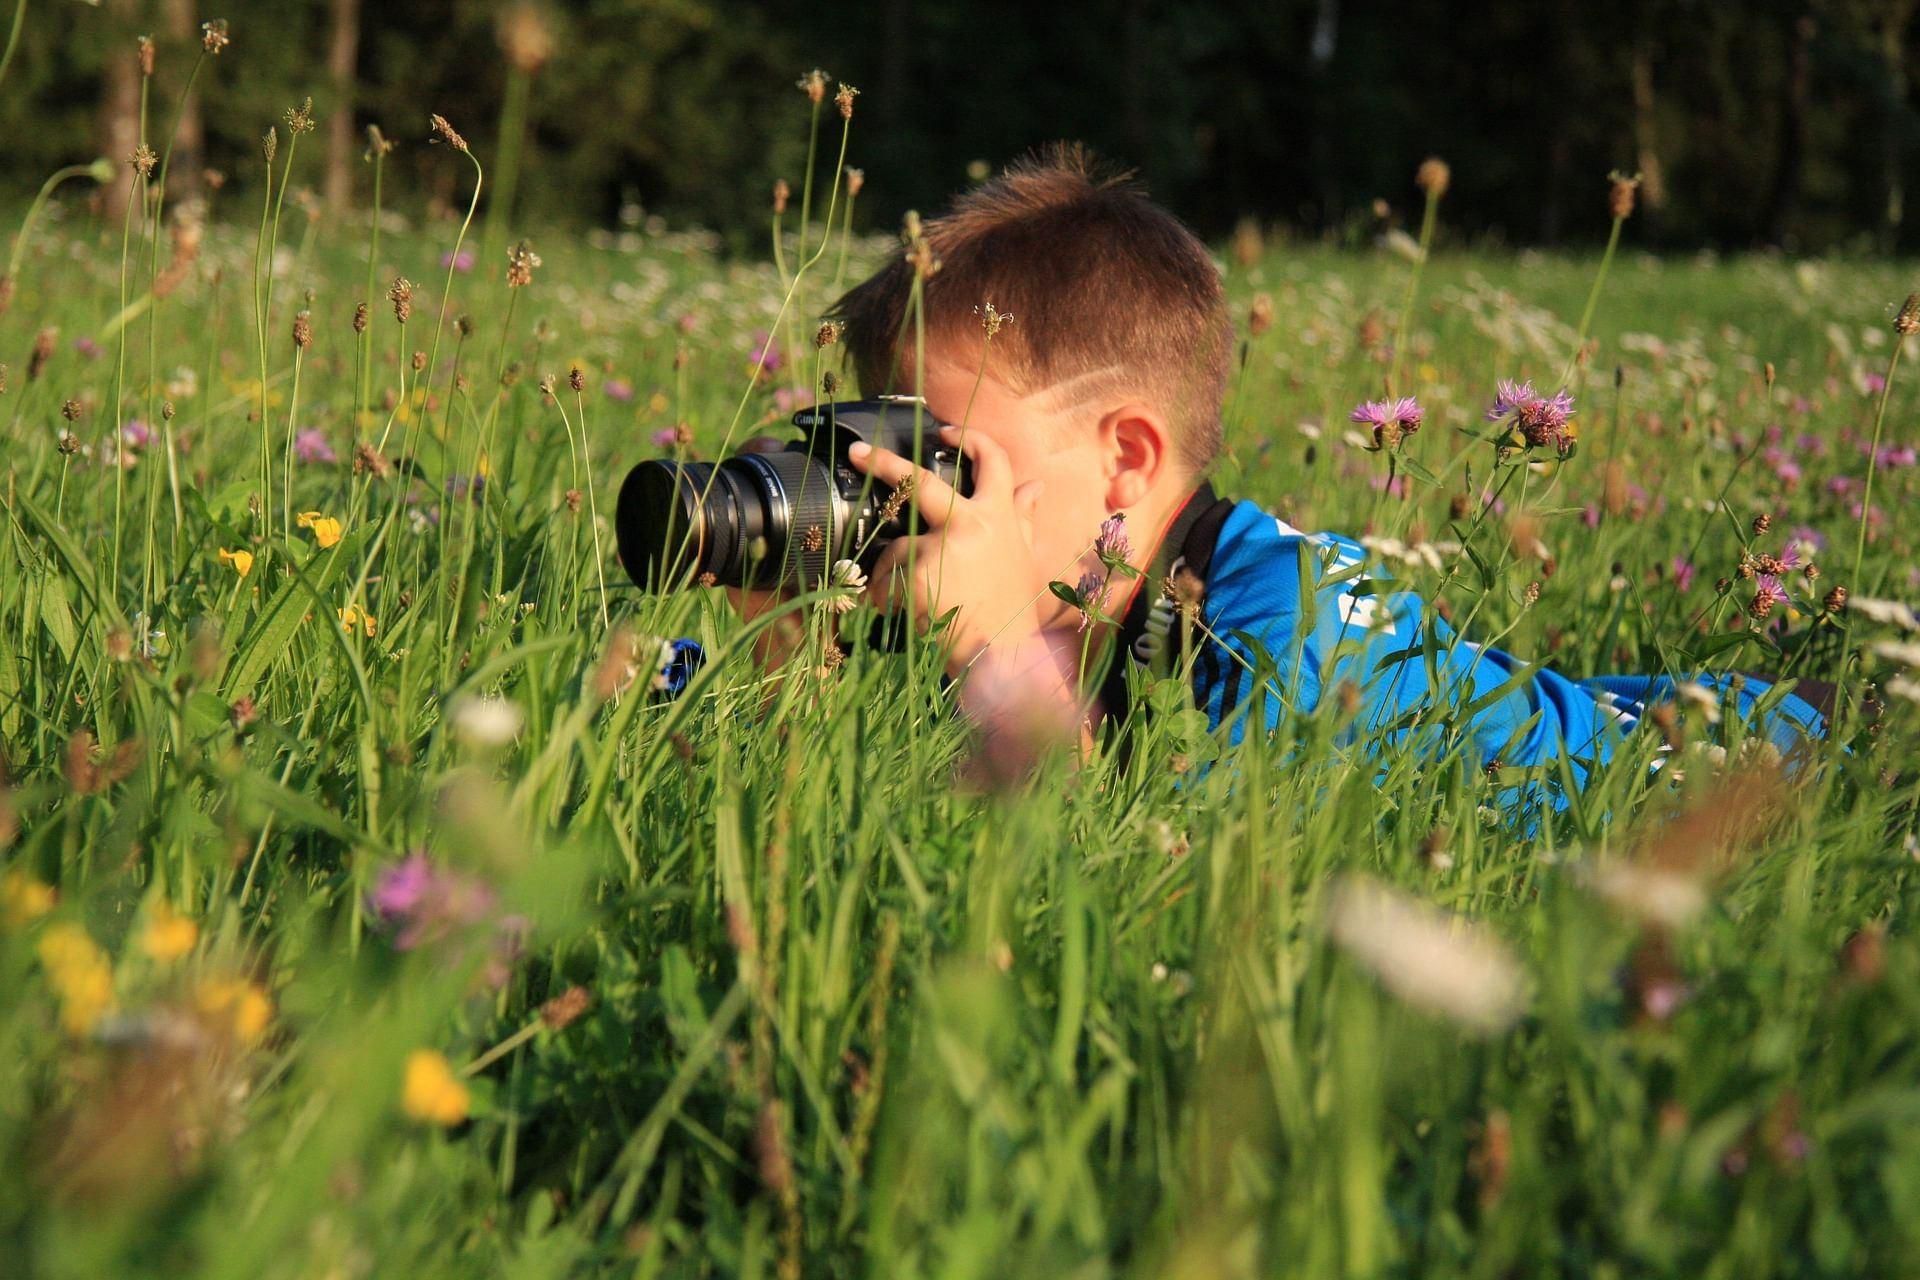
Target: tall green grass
{"points": [[842, 1015]]}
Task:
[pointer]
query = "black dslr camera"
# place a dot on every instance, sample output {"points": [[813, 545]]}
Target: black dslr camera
{"points": [[780, 518]]}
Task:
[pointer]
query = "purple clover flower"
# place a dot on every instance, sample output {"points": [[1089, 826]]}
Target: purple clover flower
{"points": [[764, 354], [618, 390], [1112, 545], [310, 446], [462, 262], [422, 903]]}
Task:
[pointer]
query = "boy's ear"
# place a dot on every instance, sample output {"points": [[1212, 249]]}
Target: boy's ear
{"points": [[1137, 443]]}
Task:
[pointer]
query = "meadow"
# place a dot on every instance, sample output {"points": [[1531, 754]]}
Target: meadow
{"points": [[366, 910]]}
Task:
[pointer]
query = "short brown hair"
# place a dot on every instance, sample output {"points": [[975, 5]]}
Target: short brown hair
{"points": [[1101, 283]]}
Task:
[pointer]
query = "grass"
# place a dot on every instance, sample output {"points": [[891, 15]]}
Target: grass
{"points": [[743, 983]]}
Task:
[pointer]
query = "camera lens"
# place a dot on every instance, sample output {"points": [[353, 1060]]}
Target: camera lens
{"points": [[752, 520]]}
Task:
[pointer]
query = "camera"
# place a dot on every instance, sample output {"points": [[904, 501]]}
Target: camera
{"points": [[784, 517]]}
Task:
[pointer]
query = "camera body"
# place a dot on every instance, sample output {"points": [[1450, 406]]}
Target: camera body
{"points": [[780, 518]]}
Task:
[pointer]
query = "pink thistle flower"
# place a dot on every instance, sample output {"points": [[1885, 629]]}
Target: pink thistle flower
{"points": [[462, 261], [618, 390], [422, 903], [665, 438], [1391, 421], [311, 446], [1683, 573], [1542, 420], [1509, 395], [1768, 587]]}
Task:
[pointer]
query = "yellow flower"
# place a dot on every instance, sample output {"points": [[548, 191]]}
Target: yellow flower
{"points": [[242, 561], [326, 530], [236, 1006], [353, 614], [80, 974], [168, 935], [433, 1095], [23, 899]]}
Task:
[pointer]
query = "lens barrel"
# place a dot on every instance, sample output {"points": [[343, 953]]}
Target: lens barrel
{"points": [[750, 521]]}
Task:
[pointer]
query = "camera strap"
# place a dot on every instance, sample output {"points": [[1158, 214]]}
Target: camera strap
{"points": [[1150, 634]]}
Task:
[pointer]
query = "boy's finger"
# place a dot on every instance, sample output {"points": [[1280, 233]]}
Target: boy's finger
{"points": [[932, 497], [992, 469]]}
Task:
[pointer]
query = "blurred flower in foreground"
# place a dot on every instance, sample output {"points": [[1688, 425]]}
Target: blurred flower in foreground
{"points": [[1021, 703], [24, 899], [234, 1006], [80, 975], [326, 530], [422, 902], [168, 935], [432, 1094], [242, 561], [485, 722], [354, 615], [1430, 960], [618, 390]]}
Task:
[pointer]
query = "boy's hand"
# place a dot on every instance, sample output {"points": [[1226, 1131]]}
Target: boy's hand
{"points": [[977, 556]]}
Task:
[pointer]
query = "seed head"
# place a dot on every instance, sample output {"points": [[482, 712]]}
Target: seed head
{"points": [[843, 99], [214, 37], [419, 361], [856, 179], [300, 118], [69, 444], [166, 411], [781, 192], [991, 320], [827, 334], [1260, 315], [829, 382], [70, 410], [526, 38], [565, 1008], [367, 461], [547, 385], [1620, 194], [1908, 321], [146, 56], [463, 325], [143, 160], [1836, 600], [813, 539], [576, 379], [444, 132], [302, 330], [1762, 523], [521, 260], [42, 352], [1434, 177], [377, 143], [400, 294], [814, 85]]}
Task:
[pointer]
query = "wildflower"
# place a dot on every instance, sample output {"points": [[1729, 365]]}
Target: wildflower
{"points": [[564, 1009], [24, 898], [856, 179], [241, 560], [41, 353], [485, 722], [1433, 177], [214, 37], [80, 974], [525, 37], [847, 580], [1886, 612], [1260, 315], [1539, 420], [354, 616], [70, 410], [326, 529], [168, 935], [1112, 544], [1391, 421], [826, 335], [1767, 593], [369, 461], [473, 488], [461, 261], [300, 118], [618, 390], [136, 434], [1426, 958], [843, 99], [302, 330], [1683, 573], [400, 294], [1090, 593], [1835, 601], [1621, 189], [814, 85], [311, 446], [431, 1093], [270, 144], [576, 379], [422, 903], [146, 56], [521, 261], [666, 437], [236, 1007], [781, 194], [143, 160], [444, 132], [764, 355]]}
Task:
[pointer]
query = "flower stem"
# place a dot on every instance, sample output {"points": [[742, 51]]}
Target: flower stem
{"points": [[1593, 299]]}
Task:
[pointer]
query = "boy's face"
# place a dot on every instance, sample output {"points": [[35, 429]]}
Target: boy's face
{"points": [[1047, 440]]}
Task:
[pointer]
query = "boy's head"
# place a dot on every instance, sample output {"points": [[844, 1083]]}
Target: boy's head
{"points": [[1107, 381]]}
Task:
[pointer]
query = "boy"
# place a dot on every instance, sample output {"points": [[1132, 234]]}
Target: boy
{"points": [[1102, 396]]}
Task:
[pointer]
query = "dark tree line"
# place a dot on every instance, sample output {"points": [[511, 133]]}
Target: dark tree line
{"points": [[1768, 122]]}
